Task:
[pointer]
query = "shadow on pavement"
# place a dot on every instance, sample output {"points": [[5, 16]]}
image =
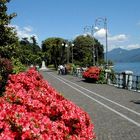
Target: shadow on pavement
{"points": [[89, 81], [46, 70], [135, 101]]}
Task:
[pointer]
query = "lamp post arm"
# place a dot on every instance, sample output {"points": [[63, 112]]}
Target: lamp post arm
{"points": [[98, 20], [106, 42]]}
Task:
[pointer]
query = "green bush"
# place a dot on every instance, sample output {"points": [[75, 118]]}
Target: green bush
{"points": [[102, 78], [51, 66], [5, 69], [17, 66]]}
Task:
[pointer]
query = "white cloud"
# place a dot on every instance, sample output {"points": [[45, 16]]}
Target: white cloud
{"points": [[113, 41], [25, 32], [100, 33], [127, 47], [116, 41], [28, 29], [132, 46], [118, 38]]}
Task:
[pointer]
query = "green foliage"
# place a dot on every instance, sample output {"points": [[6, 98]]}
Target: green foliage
{"points": [[17, 66], [8, 38], [102, 78], [7, 34], [51, 66], [99, 52], [83, 50], [5, 70], [110, 63], [110, 75], [54, 52], [35, 59], [9, 51], [30, 52]]}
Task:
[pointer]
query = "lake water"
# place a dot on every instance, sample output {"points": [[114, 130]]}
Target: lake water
{"points": [[131, 66]]}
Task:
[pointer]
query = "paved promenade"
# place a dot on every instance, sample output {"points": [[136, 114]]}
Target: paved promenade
{"points": [[115, 112]]}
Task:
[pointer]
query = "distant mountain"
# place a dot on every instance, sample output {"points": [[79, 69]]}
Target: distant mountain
{"points": [[122, 55]]}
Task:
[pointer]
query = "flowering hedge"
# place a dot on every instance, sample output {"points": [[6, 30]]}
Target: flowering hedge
{"points": [[92, 73], [31, 109]]}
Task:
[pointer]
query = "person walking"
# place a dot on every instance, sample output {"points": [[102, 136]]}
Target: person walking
{"points": [[61, 69]]}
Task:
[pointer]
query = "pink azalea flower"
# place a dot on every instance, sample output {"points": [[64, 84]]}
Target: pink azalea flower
{"points": [[32, 109]]}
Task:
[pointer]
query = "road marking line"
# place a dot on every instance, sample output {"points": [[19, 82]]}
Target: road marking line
{"points": [[120, 114], [137, 113]]}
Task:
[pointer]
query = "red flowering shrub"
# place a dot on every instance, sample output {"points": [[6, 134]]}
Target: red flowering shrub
{"points": [[31, 109], [92, 73]]}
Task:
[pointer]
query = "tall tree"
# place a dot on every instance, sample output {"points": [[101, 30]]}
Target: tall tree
{"points": [[33, 40], [24, 41], [83, 49], [35, 46], [8, 36], [55, 53], [30, 52]]}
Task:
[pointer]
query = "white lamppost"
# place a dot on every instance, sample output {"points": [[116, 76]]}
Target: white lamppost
{"points": [[94, 29], [72, 52], [66, 45], [97, 22], [91, 29]]}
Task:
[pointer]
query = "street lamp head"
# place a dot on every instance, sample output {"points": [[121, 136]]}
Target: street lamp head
{"points": [[84, 35], [72, 44], [96, 28], [66, 45]]}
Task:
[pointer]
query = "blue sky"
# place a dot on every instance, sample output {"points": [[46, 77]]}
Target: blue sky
{"points": [[67, 19]]}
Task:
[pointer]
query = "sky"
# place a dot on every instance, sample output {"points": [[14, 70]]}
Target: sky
{"points": [[68, 18]]}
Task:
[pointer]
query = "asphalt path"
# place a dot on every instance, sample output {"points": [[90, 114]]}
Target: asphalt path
{"points": [[114, 112]]}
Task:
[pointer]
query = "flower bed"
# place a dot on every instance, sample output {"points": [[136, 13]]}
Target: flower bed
{"points": [[31, 109], [92, 73]]}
